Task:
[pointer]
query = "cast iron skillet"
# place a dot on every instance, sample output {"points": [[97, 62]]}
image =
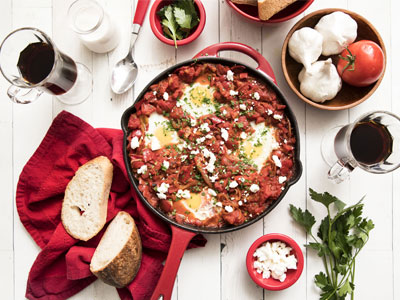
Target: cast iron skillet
{"points": [[183, 233]]}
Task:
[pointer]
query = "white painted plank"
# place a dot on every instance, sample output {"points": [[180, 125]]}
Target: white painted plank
{"points": [[6, 173], [272, 40], [235, 281], [395, 87], [30, 125], [201, 264], [318, 122], [68, 42]]}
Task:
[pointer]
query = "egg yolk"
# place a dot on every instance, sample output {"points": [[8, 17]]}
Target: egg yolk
{"points": [[194, 201], [163, 136], [200, 94], [252, 151]]}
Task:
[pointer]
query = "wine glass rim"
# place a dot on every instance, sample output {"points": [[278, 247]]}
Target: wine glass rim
{"points": [[48, 40], [348, 134]]}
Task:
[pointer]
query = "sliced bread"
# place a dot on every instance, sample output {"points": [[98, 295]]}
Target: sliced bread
{"points": [[84, 208], [247, 2], [117, 258], [268, 8]]}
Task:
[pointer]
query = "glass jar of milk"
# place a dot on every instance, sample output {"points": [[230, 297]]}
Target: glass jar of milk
{"points": [[93, 26]]}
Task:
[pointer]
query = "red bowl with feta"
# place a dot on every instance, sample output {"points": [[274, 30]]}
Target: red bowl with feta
{"points": [[275, 261]]}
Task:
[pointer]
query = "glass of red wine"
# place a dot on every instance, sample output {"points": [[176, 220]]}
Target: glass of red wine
{"points": [[371, 143], [31, 62]]}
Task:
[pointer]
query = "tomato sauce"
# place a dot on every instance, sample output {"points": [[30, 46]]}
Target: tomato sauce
{"points": [[235, 149]]}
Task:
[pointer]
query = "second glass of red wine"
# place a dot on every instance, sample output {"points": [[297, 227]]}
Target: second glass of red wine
{"points": [[31, 62], [371, 143]]}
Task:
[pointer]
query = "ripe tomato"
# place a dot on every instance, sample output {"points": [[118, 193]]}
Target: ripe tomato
{"points": [[361, 64]]}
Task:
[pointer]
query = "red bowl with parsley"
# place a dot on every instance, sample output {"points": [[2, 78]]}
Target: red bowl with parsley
{"points": [[156, 27]]}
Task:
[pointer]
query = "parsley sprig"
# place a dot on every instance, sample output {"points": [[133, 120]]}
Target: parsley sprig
{"points": [[340, 240]]}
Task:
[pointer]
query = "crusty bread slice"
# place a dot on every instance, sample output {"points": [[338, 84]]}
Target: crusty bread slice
{"points": [[247, 2], [117, 258], [84, 209], [268, 8]]}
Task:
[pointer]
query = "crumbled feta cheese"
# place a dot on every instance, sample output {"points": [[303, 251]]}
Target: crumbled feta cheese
{"points": [[236, 119], [155, 145], [193, 122], [233, 93], [224, 134], [254, 188], [270, 112], [165, 164], [229, 75], [194, 152], [240, 202], [229, 151], [210, 165], [242, 180], [163, 188], [183, 158], [165, 96], [243, 135], [200, 140], [134, 142], [277, 161], [219, 204], [178, 104], [242, 106], [142, 169], [274, 259], [285, 141], [224, 112], [205, 127], [256, 96], [278, 117], [214, 177], [229, 208], [154, 93], [183, 194], [282, 179], [212, 192], [208, 136], [161, 196], [233, 184]]}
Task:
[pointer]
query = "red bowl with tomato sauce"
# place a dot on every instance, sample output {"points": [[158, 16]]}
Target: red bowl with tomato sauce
{"points": [[349, 96], [157, 29], [251, 12], [291, 275]]}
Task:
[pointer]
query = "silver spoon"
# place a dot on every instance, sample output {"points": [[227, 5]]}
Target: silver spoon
{"points": [[125, 72]]}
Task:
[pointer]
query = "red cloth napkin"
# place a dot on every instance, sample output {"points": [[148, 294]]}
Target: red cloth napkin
{"points": [[62, 267]]}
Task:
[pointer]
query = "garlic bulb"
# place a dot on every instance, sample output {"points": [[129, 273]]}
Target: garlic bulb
{"points": [[305, 46], [338, 30], [320, 82]]}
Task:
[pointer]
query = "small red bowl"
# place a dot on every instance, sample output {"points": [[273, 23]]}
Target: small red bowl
{"points": [[291, 275], [251, 12], [157, 28]]}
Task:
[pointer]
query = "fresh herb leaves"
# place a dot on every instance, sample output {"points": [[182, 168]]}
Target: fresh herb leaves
{"points": [[341, 238], [178, 19]]}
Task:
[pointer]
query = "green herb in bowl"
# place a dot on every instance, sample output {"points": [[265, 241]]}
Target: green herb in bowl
{"points": [[340, 240], [178, 19]]}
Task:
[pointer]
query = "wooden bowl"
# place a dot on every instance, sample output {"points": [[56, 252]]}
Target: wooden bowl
{"points": [[349, 96]]}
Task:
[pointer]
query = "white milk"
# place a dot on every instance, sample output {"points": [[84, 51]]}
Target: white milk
{"points": [[93, 26]]}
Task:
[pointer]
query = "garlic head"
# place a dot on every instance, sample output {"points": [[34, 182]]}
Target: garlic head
{"points": [[305, 46], [338, 30], [321, 81]]}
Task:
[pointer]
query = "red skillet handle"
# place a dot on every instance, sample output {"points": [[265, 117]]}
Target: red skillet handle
{"points": [[263, 64], [180, 240], [140, 12]]}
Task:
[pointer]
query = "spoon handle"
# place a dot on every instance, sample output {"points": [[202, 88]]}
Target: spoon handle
{"points": [[140, 12]]}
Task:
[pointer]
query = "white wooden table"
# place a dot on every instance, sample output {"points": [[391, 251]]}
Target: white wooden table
{"points": [[217, 271]]}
